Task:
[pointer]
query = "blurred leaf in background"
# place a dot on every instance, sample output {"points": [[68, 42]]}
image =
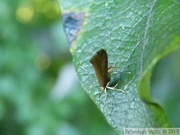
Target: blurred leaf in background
{"points": [[35, 97], [166, 87]]}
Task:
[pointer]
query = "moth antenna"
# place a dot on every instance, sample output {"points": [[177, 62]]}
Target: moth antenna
{"points": [[110, 70], [125, 71], [114, 72], [114, 88]]}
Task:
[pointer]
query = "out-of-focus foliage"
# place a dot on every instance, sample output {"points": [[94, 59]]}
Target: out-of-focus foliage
{"points": [[32, 50], [166, 87]]}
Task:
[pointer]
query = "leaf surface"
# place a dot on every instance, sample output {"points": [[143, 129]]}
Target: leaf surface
{"points": [[136, 35]]}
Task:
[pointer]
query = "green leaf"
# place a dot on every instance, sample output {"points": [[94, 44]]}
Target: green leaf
{"points": [[136, 35]]}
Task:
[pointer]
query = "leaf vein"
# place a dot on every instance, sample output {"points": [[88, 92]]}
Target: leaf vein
{"points": [[149, 15]]}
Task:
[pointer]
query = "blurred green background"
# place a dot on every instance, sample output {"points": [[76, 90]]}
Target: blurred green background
{"points": [[39, 90]]}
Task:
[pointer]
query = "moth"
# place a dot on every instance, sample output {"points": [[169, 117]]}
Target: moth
{"points": [[100, 64]]}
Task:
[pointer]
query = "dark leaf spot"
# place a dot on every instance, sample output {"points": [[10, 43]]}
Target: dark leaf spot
{"points": [[72, 24]]}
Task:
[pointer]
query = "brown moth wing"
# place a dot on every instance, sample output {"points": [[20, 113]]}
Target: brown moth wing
{"points": [[100, 64]]}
